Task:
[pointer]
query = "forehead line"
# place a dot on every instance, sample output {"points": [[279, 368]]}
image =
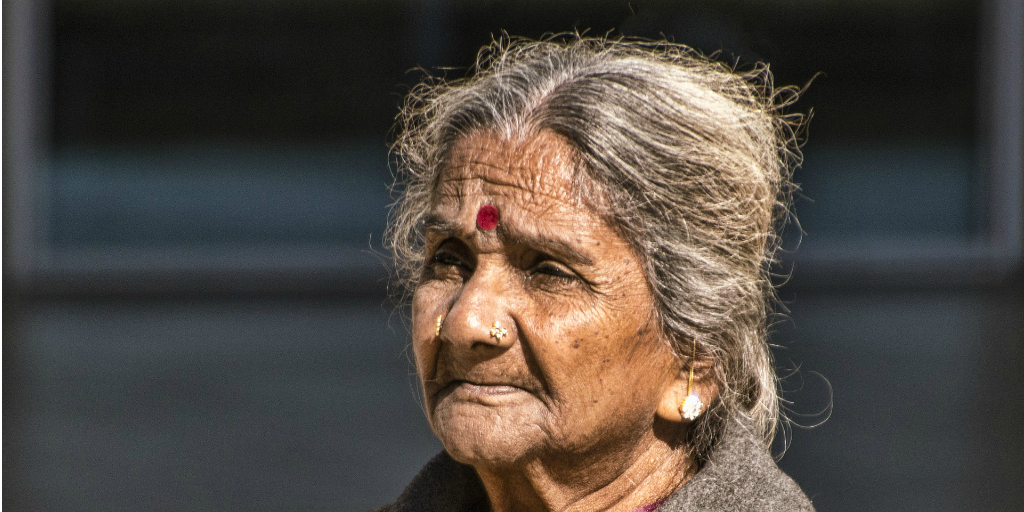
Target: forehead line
{"points": [[543, 162], [489, 185]]}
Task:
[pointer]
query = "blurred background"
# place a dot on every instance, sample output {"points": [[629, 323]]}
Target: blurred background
{"points": [[196, 311]]}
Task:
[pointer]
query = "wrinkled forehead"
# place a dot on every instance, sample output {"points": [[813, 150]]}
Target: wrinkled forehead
{"points": [[541, 168]]}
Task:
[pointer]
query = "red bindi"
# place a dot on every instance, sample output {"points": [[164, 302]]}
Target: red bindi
{"points": [[487, 217]]}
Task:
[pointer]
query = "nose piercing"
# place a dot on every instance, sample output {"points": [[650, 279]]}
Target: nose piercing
{"points": [[440, 318], [498, 332]]}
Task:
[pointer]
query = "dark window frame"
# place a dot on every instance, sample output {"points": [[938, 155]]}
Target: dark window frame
{"points": [[993, 256]]}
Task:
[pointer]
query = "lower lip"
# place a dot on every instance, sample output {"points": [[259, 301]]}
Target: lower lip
{"points": [[481, 393]]}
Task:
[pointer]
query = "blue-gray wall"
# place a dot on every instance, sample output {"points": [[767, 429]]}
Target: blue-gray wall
{"points": [[196, 312]]}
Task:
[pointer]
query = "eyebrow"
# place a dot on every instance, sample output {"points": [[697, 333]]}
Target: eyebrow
{"points": [[435, 222], [547, 245], [553, 246]]}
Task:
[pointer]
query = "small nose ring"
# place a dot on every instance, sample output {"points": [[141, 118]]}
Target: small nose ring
{"points": [[498, 332]]}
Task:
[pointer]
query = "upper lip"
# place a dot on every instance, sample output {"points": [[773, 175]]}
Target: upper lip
{"points": [[475, 383], [451, 370]]}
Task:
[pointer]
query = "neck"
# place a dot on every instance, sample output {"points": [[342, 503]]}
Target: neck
{"points": [[618, 483]]}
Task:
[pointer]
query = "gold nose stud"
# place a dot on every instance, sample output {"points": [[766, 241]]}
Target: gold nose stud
{"points": [[498, 332], [440, 319]]}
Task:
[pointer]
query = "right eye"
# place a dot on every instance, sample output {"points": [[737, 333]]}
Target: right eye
{"points": [[446, 264], [447, 258]]}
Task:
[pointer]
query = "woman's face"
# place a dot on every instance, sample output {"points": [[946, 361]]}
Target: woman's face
{"points": [[581, 370]]}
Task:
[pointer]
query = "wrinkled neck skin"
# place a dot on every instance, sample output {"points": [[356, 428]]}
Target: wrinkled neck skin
{"points": [[618, 482]]}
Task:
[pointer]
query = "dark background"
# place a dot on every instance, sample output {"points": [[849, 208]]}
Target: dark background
{"points": [[196, 306]]}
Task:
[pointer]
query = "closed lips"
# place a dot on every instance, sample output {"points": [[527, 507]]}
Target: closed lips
{"points": [[490, 389], [483, 385]]}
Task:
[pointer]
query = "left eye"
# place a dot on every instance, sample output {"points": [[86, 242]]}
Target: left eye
{"points": [[552, 269]]}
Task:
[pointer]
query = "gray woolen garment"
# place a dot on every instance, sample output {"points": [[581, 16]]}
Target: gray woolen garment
{"points": [[740, 475]]}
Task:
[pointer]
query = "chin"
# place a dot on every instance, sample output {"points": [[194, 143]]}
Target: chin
{"points": [[483, 454], [484, 438]]}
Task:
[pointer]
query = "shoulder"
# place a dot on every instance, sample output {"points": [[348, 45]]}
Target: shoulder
{"points": [[739, 475], [442, 485]]}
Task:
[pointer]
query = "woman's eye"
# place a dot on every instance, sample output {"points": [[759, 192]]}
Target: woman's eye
{"points": [[447, 258], [446, 264], [552, 269]]}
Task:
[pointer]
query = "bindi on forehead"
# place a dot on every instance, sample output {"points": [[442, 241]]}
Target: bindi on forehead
{"points": [[487, 217]]}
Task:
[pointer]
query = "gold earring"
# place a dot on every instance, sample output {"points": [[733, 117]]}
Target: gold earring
{"points": [[498, 332], [692, 406], [440, 318]]}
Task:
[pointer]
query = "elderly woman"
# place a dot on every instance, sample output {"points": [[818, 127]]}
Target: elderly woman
{"points": [[585, 227]]}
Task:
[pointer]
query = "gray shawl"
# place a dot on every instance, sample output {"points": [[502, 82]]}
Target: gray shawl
{"points": [[740, 475]]}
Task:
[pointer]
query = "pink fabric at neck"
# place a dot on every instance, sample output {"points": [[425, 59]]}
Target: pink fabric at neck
{"points": [[650, 507]]}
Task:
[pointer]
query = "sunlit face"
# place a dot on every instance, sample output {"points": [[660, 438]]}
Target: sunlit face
{"points": [[581, 369]]}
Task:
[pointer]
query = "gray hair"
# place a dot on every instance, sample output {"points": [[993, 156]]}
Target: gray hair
{"points": [[693, 162]]}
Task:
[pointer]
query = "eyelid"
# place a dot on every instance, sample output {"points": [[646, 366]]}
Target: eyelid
{"points": [[445, 254], [571, 273], [446, 257], [557, 269], [442, 250]]}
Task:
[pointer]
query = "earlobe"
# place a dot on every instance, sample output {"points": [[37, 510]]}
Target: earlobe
{"points": [[687, 397], [668, 407]]}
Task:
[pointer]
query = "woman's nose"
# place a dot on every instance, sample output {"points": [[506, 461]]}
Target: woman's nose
{"points": [[479, 316]]}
